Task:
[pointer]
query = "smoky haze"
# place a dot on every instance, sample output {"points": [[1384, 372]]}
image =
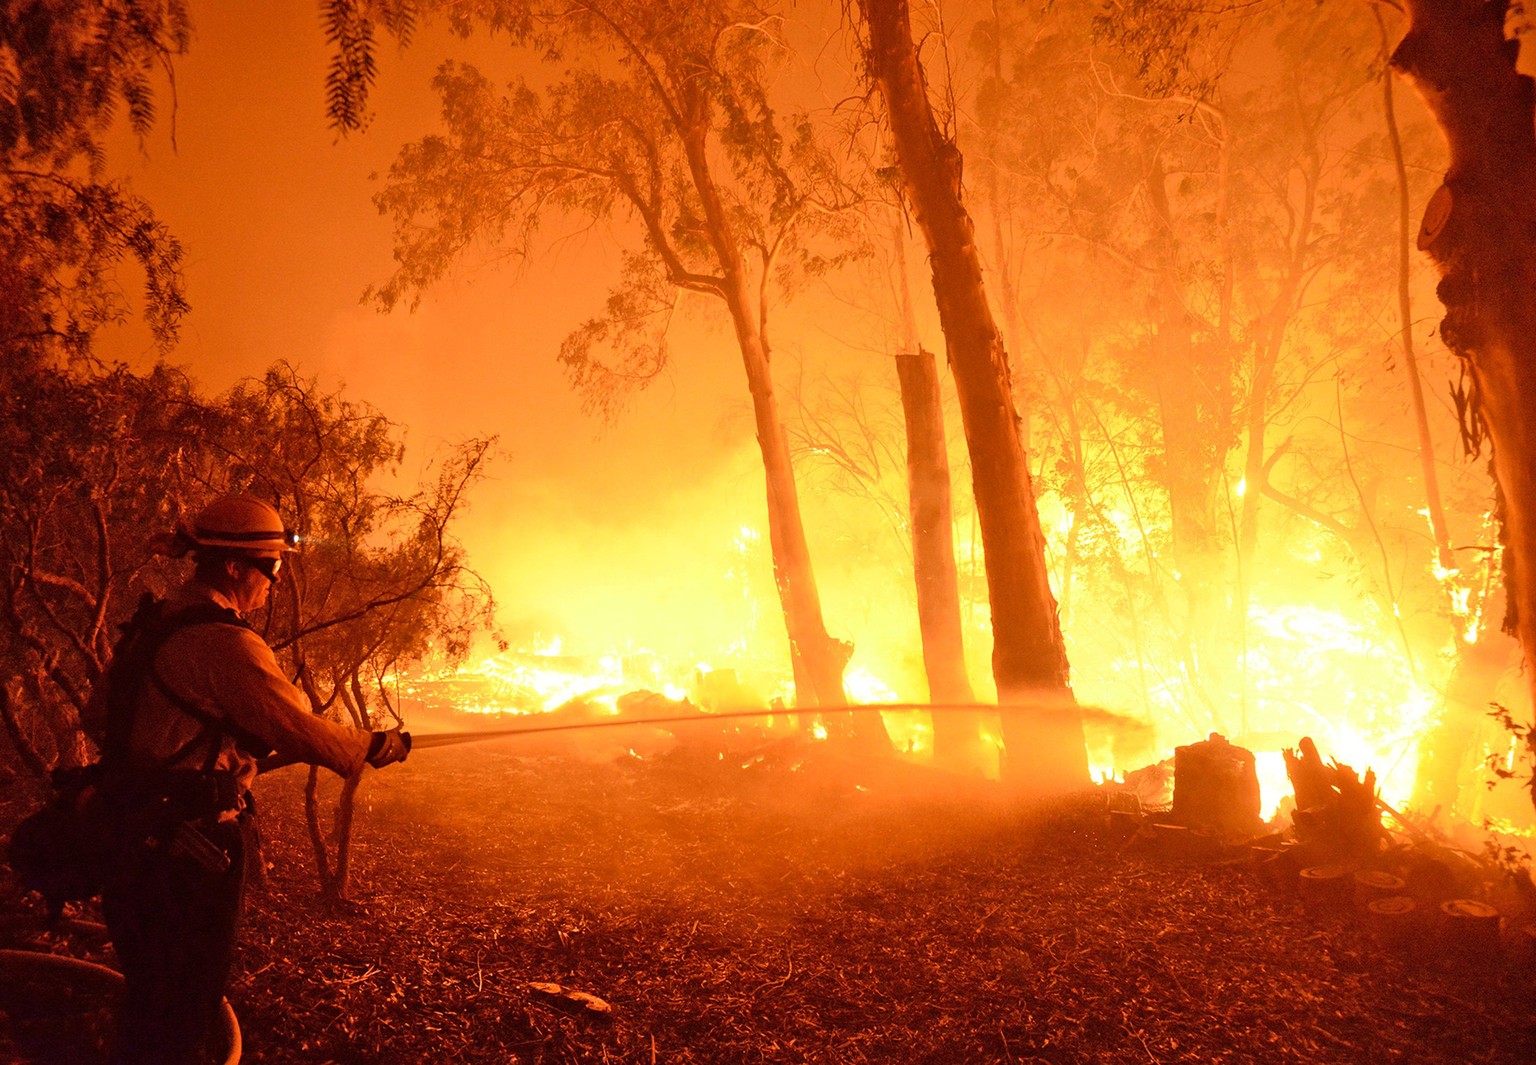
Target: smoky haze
{"points": [[585, 530], [1111, 215]]}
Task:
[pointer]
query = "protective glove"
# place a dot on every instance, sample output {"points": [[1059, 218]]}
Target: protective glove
{"points": [[388, 747]]}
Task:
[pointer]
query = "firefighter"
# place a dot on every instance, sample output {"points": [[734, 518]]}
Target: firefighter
{"points": [[192, 699]]}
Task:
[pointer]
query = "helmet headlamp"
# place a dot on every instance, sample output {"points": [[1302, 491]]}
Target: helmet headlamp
{"points": [[243, 523]]}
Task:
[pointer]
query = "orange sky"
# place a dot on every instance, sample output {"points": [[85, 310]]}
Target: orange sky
{"points": [[584, 524]]}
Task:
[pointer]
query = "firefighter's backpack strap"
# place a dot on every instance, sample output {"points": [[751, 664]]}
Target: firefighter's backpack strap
{"points": [[131, 655], [133, 664], [204, 614]]}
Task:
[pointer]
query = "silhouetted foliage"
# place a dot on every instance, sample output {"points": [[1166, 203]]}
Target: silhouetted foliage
{"points": [[91, 466], [349, 30], [68, 71]]}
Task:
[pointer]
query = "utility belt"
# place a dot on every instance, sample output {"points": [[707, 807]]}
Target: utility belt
{"points": [[175, 811], [187, 794], [104, 824], [173, 794]]}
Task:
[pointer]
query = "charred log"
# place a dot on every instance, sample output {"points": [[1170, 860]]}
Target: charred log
{"points": [[1338, 814]]}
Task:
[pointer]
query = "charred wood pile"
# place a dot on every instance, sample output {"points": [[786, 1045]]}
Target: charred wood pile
{"points": [[1345, 855], [1338, 813]]}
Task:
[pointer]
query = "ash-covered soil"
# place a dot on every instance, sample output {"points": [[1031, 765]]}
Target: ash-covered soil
{"points": [[797, 909]]}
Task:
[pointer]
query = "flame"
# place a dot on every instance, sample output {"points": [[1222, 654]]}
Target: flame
{"points": [[1333, 670], [1274, 782], [1313, 671], [1323, 673], [1313, 650]]}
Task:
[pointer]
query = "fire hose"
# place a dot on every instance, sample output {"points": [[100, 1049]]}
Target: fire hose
{"points": [[448, 739], [40, 961], [231, 1024]]}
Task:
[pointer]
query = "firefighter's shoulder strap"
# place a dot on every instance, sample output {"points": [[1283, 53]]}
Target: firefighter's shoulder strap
{"points": [[133, 664]]}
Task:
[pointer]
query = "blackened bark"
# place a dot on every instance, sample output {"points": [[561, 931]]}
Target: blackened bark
{"points": [[1486, 253], [1045, 749]]}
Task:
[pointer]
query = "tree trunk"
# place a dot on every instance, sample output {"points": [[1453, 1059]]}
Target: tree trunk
{"points": [[956, 733], [351, 692], [34, 762], [1269, 341], [1485, 248], [1045, 748], [316, 831], [314, 818], [1432, 500], [817, 658], [1002, 262], [1191, 445], [346, 811], [957, 740]]}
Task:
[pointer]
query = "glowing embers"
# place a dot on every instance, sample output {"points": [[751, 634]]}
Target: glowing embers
{"points": [[538, 681]]}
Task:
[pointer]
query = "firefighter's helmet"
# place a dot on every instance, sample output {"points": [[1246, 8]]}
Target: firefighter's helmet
{"points": [[242, 523]]}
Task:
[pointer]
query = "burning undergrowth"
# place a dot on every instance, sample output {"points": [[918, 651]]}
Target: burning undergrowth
{"points": [[797, 907]]}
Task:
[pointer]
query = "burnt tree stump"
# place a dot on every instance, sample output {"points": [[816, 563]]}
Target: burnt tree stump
{"points": [[1216, 788], [1471, 928], [1338, 814], [1373, 884], [1326, 887], [1394, 921]]}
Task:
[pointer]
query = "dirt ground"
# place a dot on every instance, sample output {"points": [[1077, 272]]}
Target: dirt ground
{"points": [[789, 909]]}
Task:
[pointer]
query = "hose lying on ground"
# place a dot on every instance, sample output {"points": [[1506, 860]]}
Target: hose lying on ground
{"points": [[38, 960]]}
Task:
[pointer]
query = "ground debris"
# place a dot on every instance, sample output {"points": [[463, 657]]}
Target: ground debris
{"points": [[570, 1000], [792, 913]]}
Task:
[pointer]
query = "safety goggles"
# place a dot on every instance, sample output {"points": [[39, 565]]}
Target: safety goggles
{"points": [[267, 567]]}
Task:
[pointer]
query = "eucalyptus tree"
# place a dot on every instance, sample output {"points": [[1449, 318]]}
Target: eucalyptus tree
{"points": [[1217, 201], [661, 126], [1045, 750]]}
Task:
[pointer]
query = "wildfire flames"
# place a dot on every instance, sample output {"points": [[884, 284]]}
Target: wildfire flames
{"points": [[1314, 670]]}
